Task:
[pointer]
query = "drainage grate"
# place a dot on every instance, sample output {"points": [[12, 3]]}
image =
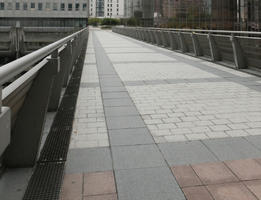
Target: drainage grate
{"points": [[46, 181]]}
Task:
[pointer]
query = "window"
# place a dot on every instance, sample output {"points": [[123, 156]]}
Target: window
{"points": [[84, 7], [54, 6], [17, 6], [25, 6], [9, 6], [32, 5], [40, 6], [77, 6], [2, 5], [48, 6], [62, 6], [69, 6]]}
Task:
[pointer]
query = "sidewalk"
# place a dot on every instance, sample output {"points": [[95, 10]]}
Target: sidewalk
{"points": [[152, 124]]}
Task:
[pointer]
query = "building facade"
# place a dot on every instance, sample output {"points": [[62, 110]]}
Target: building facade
{"points": [[44, 12], [106, 8]]}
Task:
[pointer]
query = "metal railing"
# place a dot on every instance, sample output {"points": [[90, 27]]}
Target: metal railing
{"points": [[236, 49], [29, 86]]}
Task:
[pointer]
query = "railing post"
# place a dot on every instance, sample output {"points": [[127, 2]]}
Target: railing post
{"points": [[238, 54], [27, 130], [5, 126], [68, 61], [183, 47], [215, 56], [57, 83], [196, 45]]}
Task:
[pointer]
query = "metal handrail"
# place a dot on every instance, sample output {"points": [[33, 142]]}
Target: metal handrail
{"points": [[14, 68], [200, 30]]}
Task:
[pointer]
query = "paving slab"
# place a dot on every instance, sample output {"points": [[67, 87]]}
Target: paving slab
{"points": [[125, 122], [117, 102]]}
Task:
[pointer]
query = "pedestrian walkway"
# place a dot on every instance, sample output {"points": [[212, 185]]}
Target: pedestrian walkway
{"points": [[153, 124]]}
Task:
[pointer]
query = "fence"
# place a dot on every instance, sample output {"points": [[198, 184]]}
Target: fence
{"points": [[236, 49], [29, 86]]}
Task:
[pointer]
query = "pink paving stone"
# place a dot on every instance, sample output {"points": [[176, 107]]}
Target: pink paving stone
{"points": [[72, 187], [185, 176], [197, 193], [214, 173], [248, 169], [100, 183], [255, 187], [230, 191], [102, 197]]}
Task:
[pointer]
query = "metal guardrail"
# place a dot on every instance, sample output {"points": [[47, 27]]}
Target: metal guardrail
{"points": [[36, 84], [236, 49]]}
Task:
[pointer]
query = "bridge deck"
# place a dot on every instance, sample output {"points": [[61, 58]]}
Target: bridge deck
{"points": [[144, 110]]}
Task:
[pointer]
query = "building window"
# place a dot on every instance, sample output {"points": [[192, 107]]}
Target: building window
{"points": [[17, 6], [84, 7], [48, 6], [62, 6], [9, 6], [2, 5], [33, 6], [77, 6], [70, 6], [25, 6], [40, 6], [54, 6]]}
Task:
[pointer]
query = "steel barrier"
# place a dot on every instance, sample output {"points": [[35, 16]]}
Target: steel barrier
{"points": [[238, 49], [29, 86]]}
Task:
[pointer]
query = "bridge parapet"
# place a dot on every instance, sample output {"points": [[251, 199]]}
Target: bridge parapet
{"points": [[29, 86], [238, 49]]}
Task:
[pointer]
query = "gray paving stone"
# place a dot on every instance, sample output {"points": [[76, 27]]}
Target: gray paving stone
{"points": [[232, 148], [117, 102], [89, 85], [147, 184], [113, 95], [117, 139], [255, 140], [125, 122], [181, 153], [111, 83], [121, 111], [113, 89], [138, 156], [88, 160], [155, 82], [130, 131], [13, 183]]}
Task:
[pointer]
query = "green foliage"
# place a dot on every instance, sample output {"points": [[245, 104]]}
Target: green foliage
{"points": [[94, 21], [133, 21], [110, 21]]}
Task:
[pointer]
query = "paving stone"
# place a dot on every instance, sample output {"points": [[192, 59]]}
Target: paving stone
{"points": [[232, 148], [88, 160], [255, 140], [115, 95], [248, 169], [197, 193], [214, 173], [255, 187], [113, 89], [185, 176], [72, 187], [99, 183], [117, 102], [102, 197], [125, 122], [182, 153], [230, 191], [139, 156], [130, 137], [111, 83], [120, 111], [147, 184]]}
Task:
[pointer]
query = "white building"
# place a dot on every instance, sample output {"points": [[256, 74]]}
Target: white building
{"points": [[106, 8], [44, 12]]}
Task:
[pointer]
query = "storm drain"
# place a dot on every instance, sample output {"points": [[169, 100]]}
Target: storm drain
{"points": [[46, 181]]}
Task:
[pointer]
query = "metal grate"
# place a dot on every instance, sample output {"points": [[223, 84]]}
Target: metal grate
{"points": [[46, 181]]}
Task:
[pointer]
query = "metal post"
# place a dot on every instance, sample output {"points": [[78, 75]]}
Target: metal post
{"points": [[173, 44], [238, 53], [27, 131], [215, 56], [196, 45], [183, 47]]}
